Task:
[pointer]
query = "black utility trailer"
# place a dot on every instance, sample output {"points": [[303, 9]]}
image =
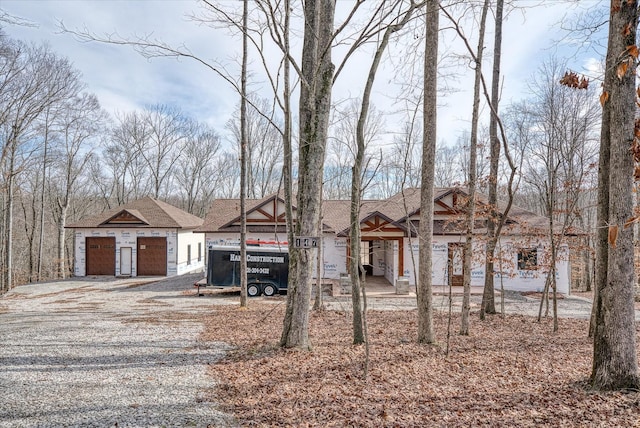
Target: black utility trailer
{"points": [[267, 269]]}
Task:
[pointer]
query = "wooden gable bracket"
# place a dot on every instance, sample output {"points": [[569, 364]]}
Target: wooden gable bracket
{"points": [[126, 217], [269, 216], [379, 225], [263, 209], [447, 209]]}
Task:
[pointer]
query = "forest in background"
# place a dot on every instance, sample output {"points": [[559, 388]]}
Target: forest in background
{"points": [[64, 157], [547, 162]]}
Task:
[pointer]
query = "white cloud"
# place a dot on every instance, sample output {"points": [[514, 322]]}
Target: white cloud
{"points": [[124, 80], [121, 78]]}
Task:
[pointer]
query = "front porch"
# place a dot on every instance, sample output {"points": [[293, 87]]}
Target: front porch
{"points": [[379, 286]]}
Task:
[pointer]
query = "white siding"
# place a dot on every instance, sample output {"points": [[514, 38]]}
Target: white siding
{"points": [[391, 258], [186, 238], [379, 260], [234, 238], [127, 237], [334, 256], [512, 278], [386, 260]]}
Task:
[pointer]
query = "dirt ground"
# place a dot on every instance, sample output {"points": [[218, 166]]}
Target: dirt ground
{"points": [[589, 296], [508, 372]]}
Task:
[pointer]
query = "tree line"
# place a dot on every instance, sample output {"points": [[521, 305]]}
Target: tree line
{"points": [[64, 158], [542, 152]]}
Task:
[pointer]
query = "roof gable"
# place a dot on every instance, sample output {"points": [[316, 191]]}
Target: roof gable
{"points": [[270, 210], [391, 213], [224, 214], [126, 217], [146, 212], [376, 223]]}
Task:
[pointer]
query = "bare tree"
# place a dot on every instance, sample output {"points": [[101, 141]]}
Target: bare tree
{"points": [[615, 359], [342, 148], [244, 151], [401, 165], [163, 146], [488, 295], [359, 318], [37, 79], [315, 101], [80, 124], [122, 159], [195, 174], [462, 160], [448, 171], [473, 145], [558, 164], [264, 147], [227, 177], [426, 332]]}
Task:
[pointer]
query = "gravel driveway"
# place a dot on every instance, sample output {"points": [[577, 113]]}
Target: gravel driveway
{"points": [[106, 352], [514, 303], [125, 352]]}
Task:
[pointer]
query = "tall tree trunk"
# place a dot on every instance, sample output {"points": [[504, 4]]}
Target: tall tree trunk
{"points": [[315, 101], [30, 231], [243, 159], [356, 183], [473, 150], [3, 224], [488, 305], [318, 304], [61, 236], [602, 216], [354, 264], [554, 284], [424, 290], [615, 361], [42, 197], [8, 228], [287, 170]]}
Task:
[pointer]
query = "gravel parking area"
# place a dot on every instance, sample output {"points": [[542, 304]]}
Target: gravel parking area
{"points": [[107, 352], [514, 303]]}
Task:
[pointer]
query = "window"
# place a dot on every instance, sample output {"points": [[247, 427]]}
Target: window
{"points": [[189, 254], [199, 251], [528, 259], [365, 252]]}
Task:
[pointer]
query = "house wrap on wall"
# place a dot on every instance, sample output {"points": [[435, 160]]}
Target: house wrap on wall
{"points": [[389, 243], [146, 237]]}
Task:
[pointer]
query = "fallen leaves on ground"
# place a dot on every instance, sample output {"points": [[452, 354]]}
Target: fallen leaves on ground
{"points": [[508, 372]]}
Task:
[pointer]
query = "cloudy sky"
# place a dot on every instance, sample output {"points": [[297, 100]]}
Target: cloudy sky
{"points": [[123, 80]]}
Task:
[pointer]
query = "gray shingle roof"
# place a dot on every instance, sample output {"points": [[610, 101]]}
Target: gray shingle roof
{"points": [[336, 213], [156, 213]]}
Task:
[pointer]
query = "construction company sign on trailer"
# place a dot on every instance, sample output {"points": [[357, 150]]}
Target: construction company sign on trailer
{"points": [[267, 269]]}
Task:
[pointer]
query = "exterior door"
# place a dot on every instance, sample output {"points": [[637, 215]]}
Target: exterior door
{"points": [[366, 257], [101, 256], [152, 256], [456, 264], [125, 261]]}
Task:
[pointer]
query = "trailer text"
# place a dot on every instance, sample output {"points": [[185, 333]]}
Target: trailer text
{"points": [[257, 259]]}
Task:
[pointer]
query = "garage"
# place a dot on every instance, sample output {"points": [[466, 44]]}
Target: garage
{"points": [[152, 256], [101, 256], [144, 237]]}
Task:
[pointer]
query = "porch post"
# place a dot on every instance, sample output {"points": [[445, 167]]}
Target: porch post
{"points": [[400, 257], [348, 253]]}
